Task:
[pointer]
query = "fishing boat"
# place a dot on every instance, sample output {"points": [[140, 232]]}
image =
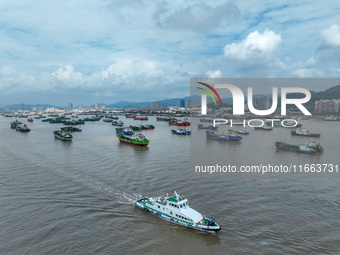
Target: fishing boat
{"points": [[30, 119], [234, 136], [173, 122], [125, 131], [184, 122], [140, 117], [150, 126], [107, 120], [304, 132], [117, 123], [180, 131], [71, 129], [176, 209], [22, 128], [218, 137], [138, 139], [164, 118], [63, 135], [200, 126], [308, 148], [14, 124]]}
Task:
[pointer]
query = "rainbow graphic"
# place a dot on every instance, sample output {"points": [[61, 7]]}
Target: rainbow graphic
{"points": [[209, 93]]}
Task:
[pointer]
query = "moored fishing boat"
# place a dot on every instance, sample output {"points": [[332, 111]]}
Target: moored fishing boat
{"points": [[164, 118], [180, 131], [15, 123], [184, 122], [125, 131], [22, 128], [308, 148], [150, 126], [71, 129], [30, 119], [213, 136], [107, 120], [177, 210], [138, 139], [63, 135], [173, 122], [140, 117], [117, 123], [304, 132], [234, 136]]}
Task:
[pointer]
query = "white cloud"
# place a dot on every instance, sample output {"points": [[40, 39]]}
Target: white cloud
{"points": [[308, 73], [67, 74], [330, 37], [197, 17], [214, 74], [255, 48]]}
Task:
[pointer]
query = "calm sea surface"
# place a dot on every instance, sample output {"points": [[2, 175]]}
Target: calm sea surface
{"points": [[77, 198]]}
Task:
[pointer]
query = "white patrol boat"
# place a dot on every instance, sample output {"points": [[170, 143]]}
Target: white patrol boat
{"points": [[177, 210]]}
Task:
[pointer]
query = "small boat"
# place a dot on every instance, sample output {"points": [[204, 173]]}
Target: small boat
{"points": [[308, 148], [63, 135], [177, 210], [213, 136], [117, 123], [30, 119], [138, 139], [180, 131], [304, 132], [200, 126], [22, 128]]}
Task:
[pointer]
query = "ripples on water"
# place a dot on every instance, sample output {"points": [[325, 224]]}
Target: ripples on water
{"points": [[76, 198]]}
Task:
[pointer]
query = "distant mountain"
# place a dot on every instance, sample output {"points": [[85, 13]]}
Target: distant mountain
{"points": [[127, 104]]}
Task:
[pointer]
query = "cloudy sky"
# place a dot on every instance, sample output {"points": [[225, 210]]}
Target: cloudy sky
{"points": [[104, 51]]}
